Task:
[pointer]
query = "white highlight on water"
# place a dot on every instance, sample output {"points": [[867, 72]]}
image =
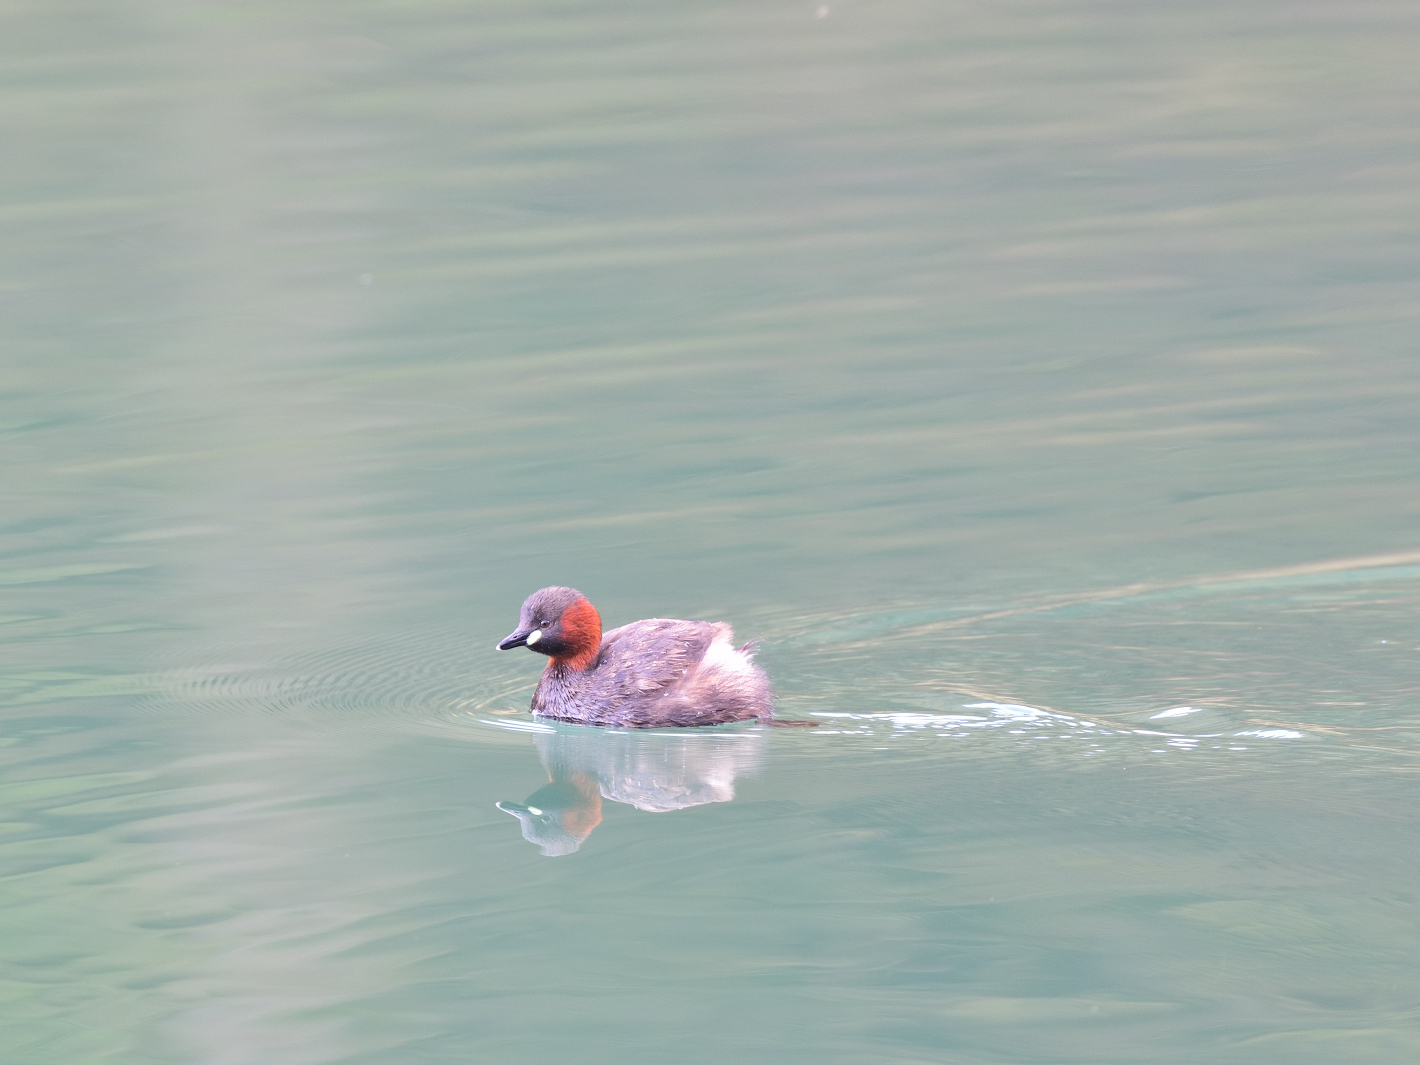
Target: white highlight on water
{"points": [[1177, 711], [1017, 719]]}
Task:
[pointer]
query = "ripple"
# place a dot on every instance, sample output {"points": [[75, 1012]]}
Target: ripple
{"points": [[1016, 719], [852, 629], [416, 677], [929, 669]]}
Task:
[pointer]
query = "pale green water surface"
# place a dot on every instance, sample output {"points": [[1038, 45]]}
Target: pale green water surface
{"points": [[1038, 380]]}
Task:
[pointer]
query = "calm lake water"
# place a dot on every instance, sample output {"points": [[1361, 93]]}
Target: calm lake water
{"points": [[1037, 380]]}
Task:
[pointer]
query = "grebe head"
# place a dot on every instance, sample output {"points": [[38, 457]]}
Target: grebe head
{"points": [[560, 623]]}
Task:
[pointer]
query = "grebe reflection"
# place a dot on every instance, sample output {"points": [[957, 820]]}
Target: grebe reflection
{"points": [[652, 771]]}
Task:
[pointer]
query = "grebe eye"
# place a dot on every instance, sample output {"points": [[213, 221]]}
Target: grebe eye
{"points": [[544, 624]]}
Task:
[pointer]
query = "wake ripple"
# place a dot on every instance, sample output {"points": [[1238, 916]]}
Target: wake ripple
{"points": [[419, 677]]}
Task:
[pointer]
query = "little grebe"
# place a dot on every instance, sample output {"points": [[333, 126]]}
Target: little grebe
{"points": [[644, 675]]}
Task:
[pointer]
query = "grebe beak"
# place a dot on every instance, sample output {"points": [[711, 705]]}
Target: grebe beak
{"points": [[517, 639]]}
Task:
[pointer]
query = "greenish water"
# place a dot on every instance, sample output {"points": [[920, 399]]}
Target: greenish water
{"points": [[1038, 381]]}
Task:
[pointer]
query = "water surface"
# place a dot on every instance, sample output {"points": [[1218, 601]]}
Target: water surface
{"points": [[1037, 381]]}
